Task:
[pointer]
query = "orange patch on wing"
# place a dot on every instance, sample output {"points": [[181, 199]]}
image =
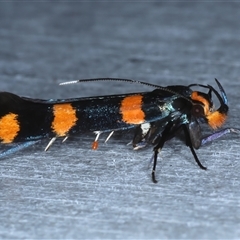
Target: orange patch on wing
{"points": [[131, 110], [64, 118], [9, 127]]}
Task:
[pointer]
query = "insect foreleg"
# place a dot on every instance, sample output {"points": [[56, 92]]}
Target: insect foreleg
{"points": [[218, 134], [159, 146], [190, 145]]}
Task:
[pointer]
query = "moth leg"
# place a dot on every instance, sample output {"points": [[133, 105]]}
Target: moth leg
{"points": [[140, 139], [190, 145], [17, 148], [159, 146], [218, 134], [95, 143]]}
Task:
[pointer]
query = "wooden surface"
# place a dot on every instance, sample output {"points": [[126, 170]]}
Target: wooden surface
{"points": [[74, 192]]}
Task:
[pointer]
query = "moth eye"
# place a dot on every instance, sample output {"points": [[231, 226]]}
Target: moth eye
{"points": [[198, 110]]}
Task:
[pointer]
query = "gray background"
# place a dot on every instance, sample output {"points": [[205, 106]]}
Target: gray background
{"points": [[74, 192]]}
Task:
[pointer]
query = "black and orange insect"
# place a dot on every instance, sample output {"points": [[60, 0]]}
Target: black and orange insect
{"points": [[157, 116]]}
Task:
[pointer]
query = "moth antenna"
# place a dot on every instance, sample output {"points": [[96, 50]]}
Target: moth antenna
{"points": [[70, 82], [125, 80], [112, 80]]}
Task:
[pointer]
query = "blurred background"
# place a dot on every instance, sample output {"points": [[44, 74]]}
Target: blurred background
{"points": [[73, 192]]}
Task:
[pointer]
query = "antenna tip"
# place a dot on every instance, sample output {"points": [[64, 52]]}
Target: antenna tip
{"points": [[70, 82]]}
